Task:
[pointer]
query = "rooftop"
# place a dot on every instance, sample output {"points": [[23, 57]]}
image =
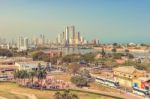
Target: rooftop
{"points": [[145, 79], [126, 69]]}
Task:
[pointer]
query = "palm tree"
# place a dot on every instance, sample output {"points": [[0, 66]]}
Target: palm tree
{"points": [[41, 74], [24, 75], [103, 52], [32, 74], [16, 75]]}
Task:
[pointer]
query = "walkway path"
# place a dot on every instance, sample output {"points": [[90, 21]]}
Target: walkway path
{"points": [[30, 96]]}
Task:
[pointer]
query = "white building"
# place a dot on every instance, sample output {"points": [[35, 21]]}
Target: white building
{"points": [[23, 44]]}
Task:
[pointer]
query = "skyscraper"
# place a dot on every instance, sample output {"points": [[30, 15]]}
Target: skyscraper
{"points": [[72, 34], [42, 39], [70, 37], [23, 43], [67, 36], [59, 39]]}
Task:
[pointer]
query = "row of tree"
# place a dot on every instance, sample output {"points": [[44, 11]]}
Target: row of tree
{"points": [[22, 75], [88, 57], [41, 56], [6, 52]]}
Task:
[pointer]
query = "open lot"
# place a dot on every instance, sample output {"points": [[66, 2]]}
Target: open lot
{"points": [[7, 88]]}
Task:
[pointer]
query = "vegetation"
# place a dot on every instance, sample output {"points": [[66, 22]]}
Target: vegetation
{"points": [[85, 73], [79, 81], [41, 74], [140, 66], [65, 95], [72, 58], [6, 52], [103, 53], [6, 89], [74, 68], [117, 55], [38, 55], [41, 56], [88, 57], [114, 50], [23, 74]]}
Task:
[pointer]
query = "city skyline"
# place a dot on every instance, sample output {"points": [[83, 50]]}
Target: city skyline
{"points": [[106, 20]]}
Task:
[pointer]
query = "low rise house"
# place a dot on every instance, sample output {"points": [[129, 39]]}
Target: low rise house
{"points": [[6, 74], [53, 54], [125, 75], [28, 65], [7, 62]]}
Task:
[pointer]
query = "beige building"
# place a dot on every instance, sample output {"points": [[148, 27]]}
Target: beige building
{"points": [[125, 75]]}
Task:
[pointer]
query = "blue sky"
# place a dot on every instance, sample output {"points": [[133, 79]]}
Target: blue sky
{"points": [[107, 20]]}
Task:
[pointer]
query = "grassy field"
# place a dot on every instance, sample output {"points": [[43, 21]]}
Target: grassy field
{"points": [[6, 88], [11, 96]]}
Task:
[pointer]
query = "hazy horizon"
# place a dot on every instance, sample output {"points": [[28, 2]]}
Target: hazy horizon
{"points": [[120, 21]]}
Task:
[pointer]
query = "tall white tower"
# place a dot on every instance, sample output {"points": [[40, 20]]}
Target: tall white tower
{"points": [[23, 43], [67, 35]]}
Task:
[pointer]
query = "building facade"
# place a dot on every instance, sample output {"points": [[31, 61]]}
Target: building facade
{"points": [[125, 75]]}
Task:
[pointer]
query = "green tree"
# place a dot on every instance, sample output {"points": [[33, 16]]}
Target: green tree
{"points": [[39, 67], [41, 74], [22, 74], [32, 74], [74, 68], [130, 56], [6, 52], [103, 53], [114, 50], [79, 81], [89, 57], [38, 55], [85, 73], [58, 95], [117, 55], [65, 95]]}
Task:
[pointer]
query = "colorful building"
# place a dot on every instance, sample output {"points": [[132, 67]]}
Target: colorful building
{"points": [[125, 75], [53, 54], [142, 83]]}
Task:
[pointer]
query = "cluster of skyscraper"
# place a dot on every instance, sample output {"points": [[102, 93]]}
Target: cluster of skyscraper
{"points": [[24, 43], [39, 40], [70, 37]]}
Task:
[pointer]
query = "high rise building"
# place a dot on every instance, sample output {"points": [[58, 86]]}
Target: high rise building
{"points": [[23, 43], [70, 37], [67, 36], [72, 34], [42, 39]]}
